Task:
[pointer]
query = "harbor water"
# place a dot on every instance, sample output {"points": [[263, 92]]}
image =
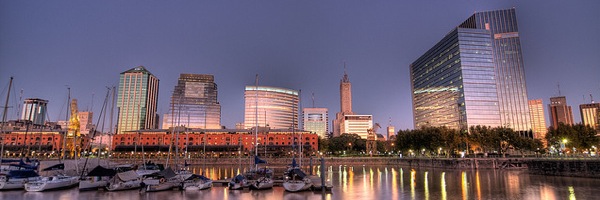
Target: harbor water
{"points": [[367, 182]]}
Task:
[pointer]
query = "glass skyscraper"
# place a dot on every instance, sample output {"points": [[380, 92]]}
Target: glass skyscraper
{"points": [[473, 76], [194, 103], [508, 62], [137, 100], [274, 107], [34, 110], [316, 120]]}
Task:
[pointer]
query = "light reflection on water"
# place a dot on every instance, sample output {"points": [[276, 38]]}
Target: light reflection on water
{"points": [[370, 182]]}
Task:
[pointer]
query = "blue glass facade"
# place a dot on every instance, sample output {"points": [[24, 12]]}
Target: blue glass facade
{"points": [[473, 76], [194, 103], [454, 82]]}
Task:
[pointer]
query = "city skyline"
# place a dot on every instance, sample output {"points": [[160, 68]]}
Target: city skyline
{"points": [[302, 49]]}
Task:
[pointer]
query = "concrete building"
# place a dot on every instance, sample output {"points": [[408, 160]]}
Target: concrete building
{"points": [[560, 112], [86, 123], [137, 100], [390, 132], [358, 124], [273, 107], [473, 76], [590, 115], [316, 120], [194, 103], [34, 110], [538, 118], [345, 105]]}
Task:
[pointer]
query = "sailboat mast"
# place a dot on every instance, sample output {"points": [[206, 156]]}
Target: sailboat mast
{"points": [[256, 120], [112, 109], [4, 118], [299, 108], [67, 126]]}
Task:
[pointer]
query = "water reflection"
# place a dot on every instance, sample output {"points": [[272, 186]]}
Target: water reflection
{"points": [[369, 182]]}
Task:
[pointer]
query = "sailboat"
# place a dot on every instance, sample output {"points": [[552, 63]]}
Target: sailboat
{"points": [[160, 181], [295, 179], [18, 175], [262, 176], [194, 182], [126, 180], [59, 181]]}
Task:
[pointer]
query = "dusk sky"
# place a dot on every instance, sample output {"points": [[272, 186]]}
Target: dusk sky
{"points": [[47, 45]]}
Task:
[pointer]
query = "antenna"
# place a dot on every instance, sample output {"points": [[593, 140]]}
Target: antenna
{"points": [[591, 98], [92, 106], [390, 122], [313, 97], [558, 86]]}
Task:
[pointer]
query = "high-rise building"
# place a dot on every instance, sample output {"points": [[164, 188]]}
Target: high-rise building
{"points": [[358, 124], [560, 112], [273, 107], [538, 118], [345, 105], [590, 115], [316, 120], [473, 76], [390, 132], [85, 122], [137, 100], [194, 103], [34, 110]]}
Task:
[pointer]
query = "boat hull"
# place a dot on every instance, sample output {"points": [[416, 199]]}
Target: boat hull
{"points": [[44, 185], [262, 184], [16, 184], [127, 185], [92, 184], [197, 185], [297, 185]]}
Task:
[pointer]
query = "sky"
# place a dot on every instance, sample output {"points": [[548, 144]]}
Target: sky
{"points": [[48, 46]]}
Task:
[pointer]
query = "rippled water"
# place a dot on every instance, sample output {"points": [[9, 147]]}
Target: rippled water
{"points": [[372, 182]]}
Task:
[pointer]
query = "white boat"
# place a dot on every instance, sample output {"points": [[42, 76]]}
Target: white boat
{"points": [[124, 181], [296, 180], [196, 182], [238, 182], [96, 178], [262, 183], [16, 179], [52, 183], [160, 181]]}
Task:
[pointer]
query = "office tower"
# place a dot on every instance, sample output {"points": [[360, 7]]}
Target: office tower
{"points": [[316, 121], [345, 105], [273, 107], [473, 76], [390, 132], [560, 112], [590, 115], [137, 100], [538, 118], [85, 122], [358, 124], [194, 103], [34, 110]]}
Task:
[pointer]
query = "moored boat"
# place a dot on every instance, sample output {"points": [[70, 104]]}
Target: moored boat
{"points": [[238, 182], [54, 182], [196, 182], [124, 181], [16, 179], [96, 178]]}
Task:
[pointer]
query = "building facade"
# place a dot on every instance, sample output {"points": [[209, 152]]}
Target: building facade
{"points": [[137, 100], [391, 132], [358, 124], [316, 120], [560, 112], [538, 119], [590, 115], [34, 110], [86, 124], [194, 103], [473, 76], [222, 141], [273, 107]]}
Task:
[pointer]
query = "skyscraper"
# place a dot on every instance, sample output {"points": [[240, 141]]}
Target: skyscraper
{"points": [[590, 115], [560, 112], [473, 76], [345, 104], [358, 124], [194, 103], [538, 118], [85, 122], [34, 110], [316, 121], [274, 107], [137, 100]]}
